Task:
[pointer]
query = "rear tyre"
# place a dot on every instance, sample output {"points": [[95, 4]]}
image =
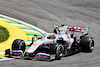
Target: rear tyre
{"points": [[87, 44], [19, 44]]}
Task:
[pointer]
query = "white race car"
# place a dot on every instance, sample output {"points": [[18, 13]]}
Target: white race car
{"points": [[61, 42]]}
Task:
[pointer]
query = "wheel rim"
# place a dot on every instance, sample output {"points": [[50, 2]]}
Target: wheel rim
{"points": [[59, 51], [22, 46], [76, 48], [91, 45]]}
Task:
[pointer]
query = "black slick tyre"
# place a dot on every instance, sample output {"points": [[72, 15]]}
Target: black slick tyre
{"points": [[19, 44], [87, 44], [58, 50]]}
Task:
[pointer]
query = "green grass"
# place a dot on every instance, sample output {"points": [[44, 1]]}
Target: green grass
{"points": [[4, 34]]}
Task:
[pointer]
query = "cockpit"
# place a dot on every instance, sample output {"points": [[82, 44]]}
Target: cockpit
{"points": [[51, 37]]}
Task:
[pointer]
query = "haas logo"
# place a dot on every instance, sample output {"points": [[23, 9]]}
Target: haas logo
{"points": [[35, 44]]}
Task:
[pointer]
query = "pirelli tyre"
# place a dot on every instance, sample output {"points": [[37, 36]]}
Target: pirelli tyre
{"points": [[57, 49], [19, 44], [87, 44]]}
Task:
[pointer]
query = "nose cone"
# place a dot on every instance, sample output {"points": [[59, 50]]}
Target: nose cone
{"points": [[33, 48]]}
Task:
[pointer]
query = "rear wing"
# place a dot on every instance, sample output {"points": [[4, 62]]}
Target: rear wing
{"points": [[83, 30]]}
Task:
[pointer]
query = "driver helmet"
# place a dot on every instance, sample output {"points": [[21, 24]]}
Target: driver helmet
{"points": [[52, 36]]}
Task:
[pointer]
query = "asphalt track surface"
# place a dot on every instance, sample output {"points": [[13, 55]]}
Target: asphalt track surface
{"points": [[46, 13]]}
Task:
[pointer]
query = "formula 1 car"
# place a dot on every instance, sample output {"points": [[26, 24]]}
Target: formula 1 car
{"points": [[61, 42]]}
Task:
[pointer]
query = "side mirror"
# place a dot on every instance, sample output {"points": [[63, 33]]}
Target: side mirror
{"points": [[35, 35], [32, 41]]}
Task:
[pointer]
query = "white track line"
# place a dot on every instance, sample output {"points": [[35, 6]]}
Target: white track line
{"points": [[2, 53], [6, 59], [30, 30], [28, 42], [17, 24], [27, 24]]}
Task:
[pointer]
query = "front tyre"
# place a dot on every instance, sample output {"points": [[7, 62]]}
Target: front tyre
{"points": [[19, 44], [59, 51]]}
